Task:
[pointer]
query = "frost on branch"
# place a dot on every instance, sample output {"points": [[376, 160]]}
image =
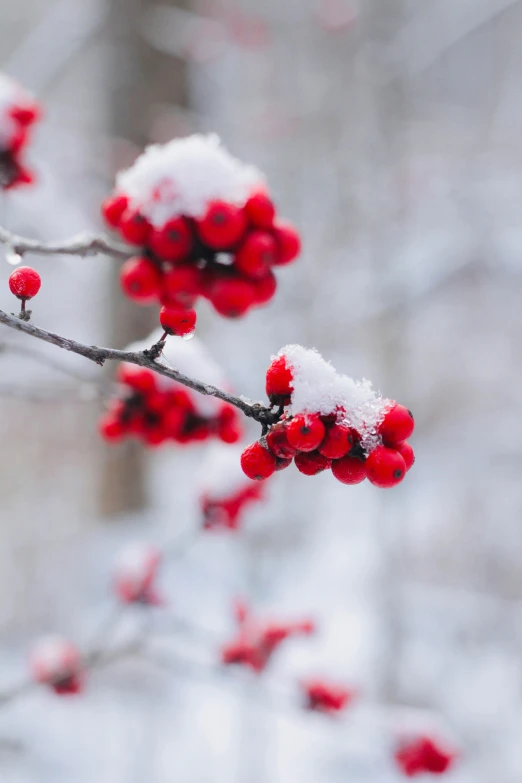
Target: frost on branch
{"points": [[18, 112], [156, 409], [205, 225], [56, 662], [330, 421], [224, 490], [135, 572]]}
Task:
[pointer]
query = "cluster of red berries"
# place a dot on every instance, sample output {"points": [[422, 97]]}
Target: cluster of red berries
{"points": [[135, 574], [18, 113], [226, 512], [57, 663], [155, 414], [24, 283], [321, 441], [423, 754], [256, 642], [327, 697]]}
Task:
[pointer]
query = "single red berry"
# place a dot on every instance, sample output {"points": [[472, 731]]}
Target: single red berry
{"points": [[258, 462], [385, 467], [24, 282], [175, 320], [281, 463], [260, 210], [26, 113], [256, 255], [311, 463], [277, 442], [288, 242], [134, 227], [111, 428], [230, 432], [279, 379], [337, 442], [349, 470], [181, 285], [138, 378], [305, 432], [173, 242], [223, 225], [397, 425], [407, 453], [113, 208], [231, 297], [140, 280], [265, 288]]}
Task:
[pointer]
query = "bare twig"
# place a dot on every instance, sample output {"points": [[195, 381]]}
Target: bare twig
{"points": [[83, 244]]}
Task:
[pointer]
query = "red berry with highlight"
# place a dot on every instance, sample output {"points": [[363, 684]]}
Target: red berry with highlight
{"points": [[231, 297], [173, 242], [223, 225], [24, 282], [337, 442], [385, 467], [397, 425], [277, 442], [258, 462], [175, 320], [140, 280], [349, 470], [113, 208], [134, 227], [288, 242], [407, 453], [279, 380], [260, 210], [256, 255], [305, 432], [181, 285], [311, 463]]}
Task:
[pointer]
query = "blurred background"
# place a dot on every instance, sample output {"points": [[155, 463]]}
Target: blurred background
{"points": [[389, 131]]}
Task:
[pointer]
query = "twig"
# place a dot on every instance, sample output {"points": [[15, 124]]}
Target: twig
{"points": [[256, 411], [83, 244]]}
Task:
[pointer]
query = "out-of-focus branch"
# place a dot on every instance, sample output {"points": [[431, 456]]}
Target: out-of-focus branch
{"points": [[83, 244]]}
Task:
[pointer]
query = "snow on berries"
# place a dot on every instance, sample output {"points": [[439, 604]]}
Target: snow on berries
{"points": [[224, 490], [326, 697], [24, 282], [57, 663], [330, 422], [18, 112], [156, 409], [135, 573], [205, 226], [422, 754]]}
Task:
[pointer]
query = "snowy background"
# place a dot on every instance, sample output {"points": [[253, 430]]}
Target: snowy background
{"points": [[389, 131]]}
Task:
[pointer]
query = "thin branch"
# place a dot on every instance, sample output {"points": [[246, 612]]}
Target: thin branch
{"points": [[151, 359], [83, 244]]}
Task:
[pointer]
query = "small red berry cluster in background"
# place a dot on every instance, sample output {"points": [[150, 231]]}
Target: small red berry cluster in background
{"points": [[24, 283], [135, 573], [256, 642], [57, 663], [225, 492], [205, 225], [156, 410], [18, 112], [327, 697], [330, 422], [423, 754]]}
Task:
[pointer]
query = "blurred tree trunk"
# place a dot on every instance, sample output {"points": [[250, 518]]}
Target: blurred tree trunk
{"points": [[142, 79]]}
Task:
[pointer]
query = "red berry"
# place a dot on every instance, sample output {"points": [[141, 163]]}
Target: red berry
{"points": [[232, 297], [288, 242], [230, 432], [110, 428], [279, 380], [311, 463], [407, 453], [337, 442], [281, 463], [134, 227], [173, 242], [223, 225], [277, 442], [113, 208], [175, 320], [265, 288], [140, 280], [349, 470], [385, 467], [397, 425], [181, 285], [138, 378], [256, 255], [305, 432], [260, 210], [258, 462], [24, 282], [26, 113]]}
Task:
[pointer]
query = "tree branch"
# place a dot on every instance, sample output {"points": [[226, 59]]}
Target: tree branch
{"points": [[151, 359], [83, 244]]}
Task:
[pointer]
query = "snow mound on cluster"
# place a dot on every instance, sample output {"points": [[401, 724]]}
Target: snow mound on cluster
{"points": [[221, 477], [53, 656], [191, 358], [11, 95], [136, 561], [319, 388], [183, 176]]}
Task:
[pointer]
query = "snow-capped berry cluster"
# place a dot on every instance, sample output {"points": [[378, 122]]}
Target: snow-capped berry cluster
{"points": [[205, 225], [57, 662], [135, 572], [225, 491], [18, 112], [156, 409], [331, 422], [423, 754], [256, 641], [327, 697]]}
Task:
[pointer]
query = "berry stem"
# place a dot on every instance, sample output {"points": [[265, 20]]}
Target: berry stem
{"points": [[22, 310]]}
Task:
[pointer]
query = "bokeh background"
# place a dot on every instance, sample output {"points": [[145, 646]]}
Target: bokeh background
{"points": [[389, 131]]}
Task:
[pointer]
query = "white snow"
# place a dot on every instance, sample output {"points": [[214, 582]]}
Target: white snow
{"points": [[136, 561], [53, 656], [183, 176], [220, 476], [319, 388], [11, 94]]}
